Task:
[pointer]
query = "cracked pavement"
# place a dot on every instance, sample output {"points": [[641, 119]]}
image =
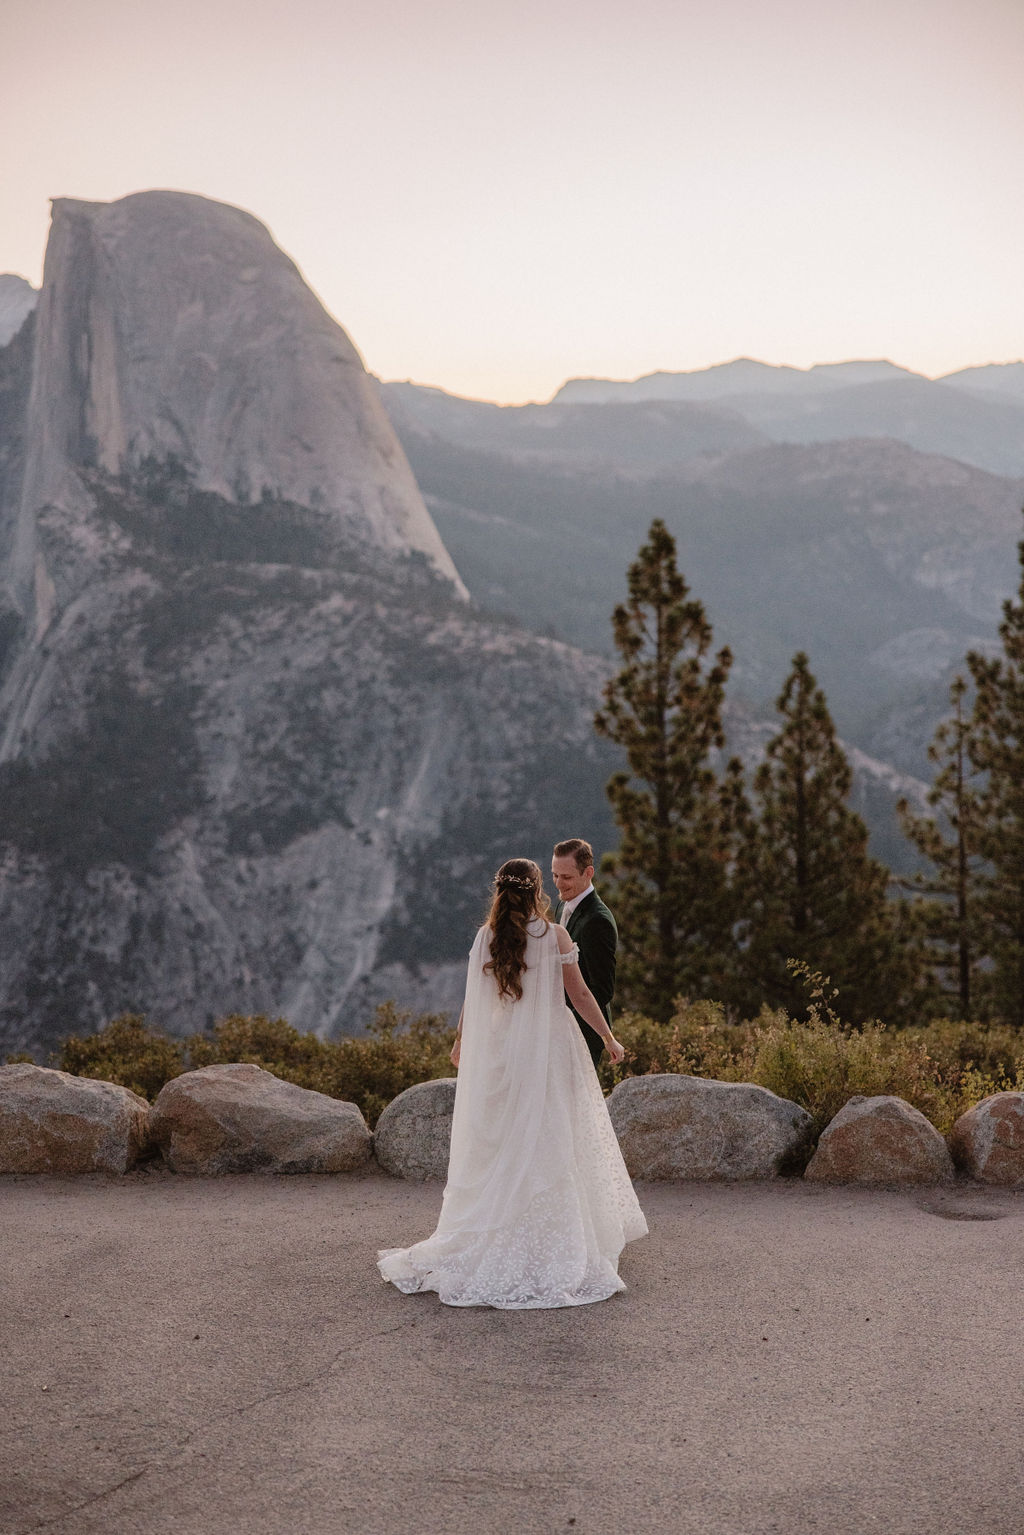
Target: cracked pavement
{"points": [[204, 1355]]}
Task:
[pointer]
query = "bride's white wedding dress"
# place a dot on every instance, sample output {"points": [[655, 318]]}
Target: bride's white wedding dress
{"points": [[538, 1203]]}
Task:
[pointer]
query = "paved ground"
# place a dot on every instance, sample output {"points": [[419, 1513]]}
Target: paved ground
{"points": [[190, 1357]]}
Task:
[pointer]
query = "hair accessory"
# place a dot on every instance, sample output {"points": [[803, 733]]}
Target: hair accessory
{"points": [[514, 879]]}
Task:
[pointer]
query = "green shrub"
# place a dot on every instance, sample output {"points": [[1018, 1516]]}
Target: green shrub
{"points": [[126, 1051], [399, 1050], [821, 1066], [985, 1046], [942, 1068], [697, 1040]]}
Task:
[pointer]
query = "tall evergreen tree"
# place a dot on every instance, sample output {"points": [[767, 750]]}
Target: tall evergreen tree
{"points": [[808, 888], [945, 915], [670, 873], [996, 745]]}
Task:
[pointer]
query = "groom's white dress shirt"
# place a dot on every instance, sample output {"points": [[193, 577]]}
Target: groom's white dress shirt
{"points": [[570, 906]]}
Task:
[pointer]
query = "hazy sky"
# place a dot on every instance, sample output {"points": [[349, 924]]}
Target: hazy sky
{"points": [[493, 197]]}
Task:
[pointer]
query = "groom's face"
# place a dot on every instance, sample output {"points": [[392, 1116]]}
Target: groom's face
{"points": [[568, 880]]}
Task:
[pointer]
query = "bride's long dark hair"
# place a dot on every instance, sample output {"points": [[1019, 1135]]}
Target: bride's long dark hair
{"points": [[518, 898]]}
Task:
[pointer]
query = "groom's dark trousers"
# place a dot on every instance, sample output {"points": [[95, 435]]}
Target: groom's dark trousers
{"points": [[592, 926]]}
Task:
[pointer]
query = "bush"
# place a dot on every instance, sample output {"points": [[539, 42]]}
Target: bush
{"points": [[697, 1040], [399, 1050], [821, 1067], [820, 1063], [986, 1046], [941, 1068], [126, 1051]]}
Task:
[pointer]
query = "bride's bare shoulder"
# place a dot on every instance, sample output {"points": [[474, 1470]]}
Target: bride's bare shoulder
{"points": [[562, 938]]}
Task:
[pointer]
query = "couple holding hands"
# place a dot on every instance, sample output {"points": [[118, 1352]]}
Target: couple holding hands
{"points": [[538, 1204]]}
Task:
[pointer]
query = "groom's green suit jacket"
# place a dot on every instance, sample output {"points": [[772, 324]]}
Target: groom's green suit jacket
{"points": [[592, 926]]}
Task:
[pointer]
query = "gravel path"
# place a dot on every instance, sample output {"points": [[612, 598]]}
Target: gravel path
{"points": [[196, 1356]]}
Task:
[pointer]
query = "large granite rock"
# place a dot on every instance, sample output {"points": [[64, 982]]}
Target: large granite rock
{"points": [[988, 1141], [225, 609], [672, 1126], [18, 298], [171, 326], [414, 1133], [241, 1119], [52, 1122], [882, 1140]]}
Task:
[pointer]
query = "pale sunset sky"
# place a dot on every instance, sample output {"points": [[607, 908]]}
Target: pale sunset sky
{"points": [[492, 198]]}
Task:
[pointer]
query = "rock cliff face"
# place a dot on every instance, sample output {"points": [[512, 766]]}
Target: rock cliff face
{"points": [[171, 327], [17, 301], [259, 752]]}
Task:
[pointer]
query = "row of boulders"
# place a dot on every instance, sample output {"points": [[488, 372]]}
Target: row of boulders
{"points": [[220, 1119], [686, 1127], [240, 1119]]}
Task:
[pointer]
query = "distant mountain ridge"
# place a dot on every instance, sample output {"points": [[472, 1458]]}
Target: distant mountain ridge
{"points": [[637, 432], [746, 375], [975, 415], [1000, 378]]}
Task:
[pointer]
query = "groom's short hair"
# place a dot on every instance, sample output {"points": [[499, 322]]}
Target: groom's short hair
{"points": [[575, 847]]}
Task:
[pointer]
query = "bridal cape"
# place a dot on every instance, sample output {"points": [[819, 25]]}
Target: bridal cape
{"points": [[538, 1203]]}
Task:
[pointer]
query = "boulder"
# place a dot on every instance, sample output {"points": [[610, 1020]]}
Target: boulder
{"points": [[673, 1126], [195, 336], [988, 1141], [414, 1133], [52, 1122], [880, 1140], [241, 1119]]}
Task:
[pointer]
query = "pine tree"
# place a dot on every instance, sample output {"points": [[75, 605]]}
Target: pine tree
{"points": [[945, 914], [996, 746], [809, 889], [670, 874]]}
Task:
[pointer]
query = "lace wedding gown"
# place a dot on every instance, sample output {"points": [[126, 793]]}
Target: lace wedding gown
{"points": [[538, 1203]]}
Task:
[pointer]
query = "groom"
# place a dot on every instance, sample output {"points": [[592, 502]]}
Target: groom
{"points": [[590, 924]]}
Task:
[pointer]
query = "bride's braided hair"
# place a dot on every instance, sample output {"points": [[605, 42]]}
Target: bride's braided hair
{"points": [[518, 897]]}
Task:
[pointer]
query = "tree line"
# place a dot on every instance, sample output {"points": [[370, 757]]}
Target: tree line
{"points": [[739, 889]]}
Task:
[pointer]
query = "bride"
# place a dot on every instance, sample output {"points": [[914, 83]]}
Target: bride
{"points": [[538, 1203]]}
